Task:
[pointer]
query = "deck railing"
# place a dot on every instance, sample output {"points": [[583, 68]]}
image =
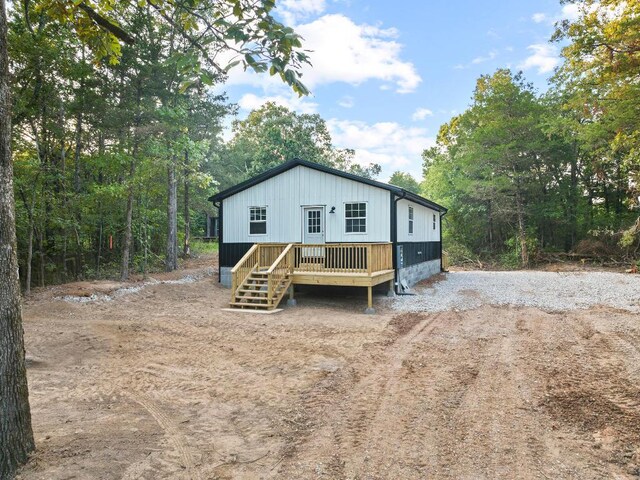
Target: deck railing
{"points": [[281, 268], [342, 257], [282, 259]]}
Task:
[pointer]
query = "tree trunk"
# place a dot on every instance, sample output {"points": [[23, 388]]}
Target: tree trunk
{"points": [[29, 207], [27, 286], [522, 231], [187, 216], [171, 261], [572, 234], [128, 234], [16, 434], [126, 244], [41, 251]]}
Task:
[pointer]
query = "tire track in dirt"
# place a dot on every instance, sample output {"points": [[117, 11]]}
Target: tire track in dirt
{"points": [[383, 426], [171, 431], [595, 392], [350, 406]]}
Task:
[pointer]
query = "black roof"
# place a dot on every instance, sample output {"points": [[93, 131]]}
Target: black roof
{"points": [[316, 166]]}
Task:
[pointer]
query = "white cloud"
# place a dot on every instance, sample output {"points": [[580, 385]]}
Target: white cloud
{"points": [[570, 11], [250, 101], [477, 61], [490, 56], [544, 58], [294, 10], [421, 114], [346, 102], [392, 145], [539, 17], [342, 51]]}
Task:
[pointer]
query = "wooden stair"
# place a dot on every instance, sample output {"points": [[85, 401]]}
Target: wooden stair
{"points": [[255, 293]]}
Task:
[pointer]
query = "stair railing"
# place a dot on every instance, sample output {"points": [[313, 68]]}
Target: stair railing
{"points": [[279, 270], [243, 268]]}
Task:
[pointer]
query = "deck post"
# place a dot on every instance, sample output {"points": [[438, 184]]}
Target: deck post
{"points": [[291, 302], [391, 292], [370, 310]]}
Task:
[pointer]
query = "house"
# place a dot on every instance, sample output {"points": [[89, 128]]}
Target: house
{"points": [[305, 223]]}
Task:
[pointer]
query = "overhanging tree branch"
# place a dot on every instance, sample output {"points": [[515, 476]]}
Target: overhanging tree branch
{"points": [[105, 24]]}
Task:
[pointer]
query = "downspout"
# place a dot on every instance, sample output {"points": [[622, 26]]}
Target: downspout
{"points": [[441, 264], [218, 205], [394, 238]]}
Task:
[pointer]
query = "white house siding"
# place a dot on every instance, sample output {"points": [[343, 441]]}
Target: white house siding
{"points": [[422, 223], [284, 194]]}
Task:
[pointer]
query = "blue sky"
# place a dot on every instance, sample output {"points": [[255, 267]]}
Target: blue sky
{"points": [[387, 74]]}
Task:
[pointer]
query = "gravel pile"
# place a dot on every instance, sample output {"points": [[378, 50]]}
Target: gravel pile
{"points": [[103, 297], [545, 290]]}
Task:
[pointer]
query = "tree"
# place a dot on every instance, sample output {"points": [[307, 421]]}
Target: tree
{"points": [[405, 180], [599, 84], [207, 28], [273, 134], [492, 164], [16, 435]]}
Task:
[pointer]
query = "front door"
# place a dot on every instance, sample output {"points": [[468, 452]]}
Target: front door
{"points": [[312, 233], [313, 225]]}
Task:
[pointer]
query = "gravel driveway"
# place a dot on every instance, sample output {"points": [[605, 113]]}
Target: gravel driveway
{"points": [[549, 291]]}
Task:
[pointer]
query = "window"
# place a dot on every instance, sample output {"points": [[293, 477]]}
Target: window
{"points": [[313, 221], [257, 220], [355, 215], [410, 220], [434, 221]]}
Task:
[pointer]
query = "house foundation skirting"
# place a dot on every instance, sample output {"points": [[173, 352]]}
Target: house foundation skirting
{"points": [[225, 276], [415, 273]]}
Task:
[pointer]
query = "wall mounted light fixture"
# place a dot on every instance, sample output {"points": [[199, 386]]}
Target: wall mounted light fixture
{"points": [[333, 210]]}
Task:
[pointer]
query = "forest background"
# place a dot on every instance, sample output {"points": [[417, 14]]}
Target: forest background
{"points": [[114, 160]]}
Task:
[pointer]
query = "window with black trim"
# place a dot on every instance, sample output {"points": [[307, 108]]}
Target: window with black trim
{"points": [[355, 215], [410, 220], [434, 221], [257, 220]]}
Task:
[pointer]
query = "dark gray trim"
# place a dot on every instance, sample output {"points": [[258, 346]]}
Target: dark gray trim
{"points": [[230, 253], [441, 264], [322, 168], [220, 238], [419, 252], [394, 235]]}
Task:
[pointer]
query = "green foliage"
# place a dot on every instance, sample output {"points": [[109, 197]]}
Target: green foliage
{"points": [[87, 135], [521, 173], [273, 134], [511, 256], [200, 248], [405, 180], [245, 28]]}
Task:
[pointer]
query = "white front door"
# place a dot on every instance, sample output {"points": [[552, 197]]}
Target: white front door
{"points": [[313, 228]]}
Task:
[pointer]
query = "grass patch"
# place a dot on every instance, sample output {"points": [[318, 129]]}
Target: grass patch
{"points": [[199, 247]]}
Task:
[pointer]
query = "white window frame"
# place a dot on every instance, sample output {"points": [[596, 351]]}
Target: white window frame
{"points": [[411, 215], [266, 219], [366, 217], [434, 221]]}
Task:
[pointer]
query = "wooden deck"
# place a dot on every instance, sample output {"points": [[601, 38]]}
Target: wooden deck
{"points": [[261, 277]]}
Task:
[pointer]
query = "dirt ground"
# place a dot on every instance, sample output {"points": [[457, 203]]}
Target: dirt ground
{"points": [[161, 383]]}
